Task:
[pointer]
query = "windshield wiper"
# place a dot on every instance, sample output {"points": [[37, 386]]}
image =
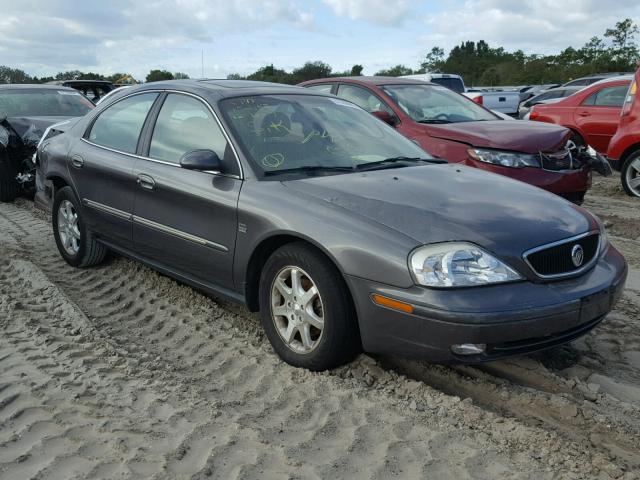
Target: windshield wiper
{"points": [[392, 162], [308, 168], [434, 120]]}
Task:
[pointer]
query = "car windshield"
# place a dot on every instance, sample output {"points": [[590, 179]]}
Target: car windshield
{"points": [[43, 103], [284, 133], [435, 104]]}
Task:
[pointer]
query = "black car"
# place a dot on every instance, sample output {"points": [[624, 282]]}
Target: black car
{"points": [[26, 112], [341, 231], [94, 90]]}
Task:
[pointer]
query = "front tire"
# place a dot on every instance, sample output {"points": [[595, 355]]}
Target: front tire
{"points": [[306, 309], [75, 242], [630, 175]]}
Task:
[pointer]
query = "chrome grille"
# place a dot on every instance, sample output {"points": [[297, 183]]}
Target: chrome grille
{"points": [[555, 260]]}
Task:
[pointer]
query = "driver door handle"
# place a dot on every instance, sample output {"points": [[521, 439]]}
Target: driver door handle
{"points": [[77, 161], [146, 182], [584, 114]]}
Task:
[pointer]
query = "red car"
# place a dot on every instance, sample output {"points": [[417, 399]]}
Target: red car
{"points": [[624, 148], [592, 113], [451, 126]]}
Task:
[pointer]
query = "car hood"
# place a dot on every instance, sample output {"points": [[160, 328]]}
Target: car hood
{"points": [[449, 202], [31, 129], [525, 137]]}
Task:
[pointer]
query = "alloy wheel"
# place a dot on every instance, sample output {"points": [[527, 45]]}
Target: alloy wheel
{"points": [[296, 309], [633, 176], [68, 227]]}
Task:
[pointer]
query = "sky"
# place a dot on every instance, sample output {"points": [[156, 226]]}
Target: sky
{"points": [[43, 37]]}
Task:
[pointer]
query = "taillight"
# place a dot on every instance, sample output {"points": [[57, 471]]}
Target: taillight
{"points": [[533, 114], [628, 101], [479, 100]]}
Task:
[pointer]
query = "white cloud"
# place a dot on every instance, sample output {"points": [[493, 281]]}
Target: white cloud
{"points": [[43, 37], [535, 26], [49, 36], [382, 12]]}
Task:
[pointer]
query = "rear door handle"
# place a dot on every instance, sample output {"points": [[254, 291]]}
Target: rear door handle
{"points": [[77, 161], [146, 182], [584, 114]]}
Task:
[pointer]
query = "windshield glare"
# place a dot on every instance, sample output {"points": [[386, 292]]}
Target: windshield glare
{"points": [[435, 104], [281, 132], [43, 103]]}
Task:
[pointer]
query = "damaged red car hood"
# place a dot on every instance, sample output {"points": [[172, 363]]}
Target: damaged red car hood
{"points": [[519, 136]]}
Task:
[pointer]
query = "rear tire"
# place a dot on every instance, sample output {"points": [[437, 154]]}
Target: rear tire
{"points": [[630, 175], [306, 309], [75, 242]]}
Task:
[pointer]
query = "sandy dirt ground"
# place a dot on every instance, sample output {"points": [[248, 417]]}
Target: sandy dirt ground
{"points": [[119, 372]]}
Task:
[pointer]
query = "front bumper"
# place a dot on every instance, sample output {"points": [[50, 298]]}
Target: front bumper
{"points": [[511, 319], [571, 184]]}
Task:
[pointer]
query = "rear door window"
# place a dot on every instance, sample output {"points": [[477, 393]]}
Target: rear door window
{"points": [[363, 98], [119, 125], [607, 97]]}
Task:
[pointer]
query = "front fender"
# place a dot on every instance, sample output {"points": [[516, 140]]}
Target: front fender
{"points": [[358, 246]]}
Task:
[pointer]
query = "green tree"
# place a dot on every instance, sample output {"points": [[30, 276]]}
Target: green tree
{"points": [[311, 71], [356, 70], [159, 75], [433, 61], [69, 75], [235, 76], [13, 75], [180, 76], [396, 71], [624, 51], [91, 76], [269, 73]]}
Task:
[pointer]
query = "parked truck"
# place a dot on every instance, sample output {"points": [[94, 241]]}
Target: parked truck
{"points": [[505, 102]]}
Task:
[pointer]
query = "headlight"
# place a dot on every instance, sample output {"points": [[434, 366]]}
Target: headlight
{"points": [[505, 159], [604, 235], [460, 264]]}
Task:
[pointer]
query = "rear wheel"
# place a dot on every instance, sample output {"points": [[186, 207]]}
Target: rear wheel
{"points": [[306, 309], [630, 175], [76, 243]]}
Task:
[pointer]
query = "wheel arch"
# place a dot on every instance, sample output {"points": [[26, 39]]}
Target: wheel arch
{"points": [[630, 150], [263, 251], [576, 131]]}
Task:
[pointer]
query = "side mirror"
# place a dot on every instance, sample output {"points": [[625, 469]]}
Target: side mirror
{"points": [[386, 117], [204, 160]]}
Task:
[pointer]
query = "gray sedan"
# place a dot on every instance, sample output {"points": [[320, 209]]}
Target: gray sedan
{"points": [[344, 234]]}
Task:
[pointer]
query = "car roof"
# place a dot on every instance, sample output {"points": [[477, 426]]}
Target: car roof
{"points": [[617, 78], [375, 80], [78, 82], [33, 86], [225, 88]]}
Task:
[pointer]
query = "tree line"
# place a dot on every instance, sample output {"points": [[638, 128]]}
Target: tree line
{"points": [[477, 62], [15, 75], [482, 65]]}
